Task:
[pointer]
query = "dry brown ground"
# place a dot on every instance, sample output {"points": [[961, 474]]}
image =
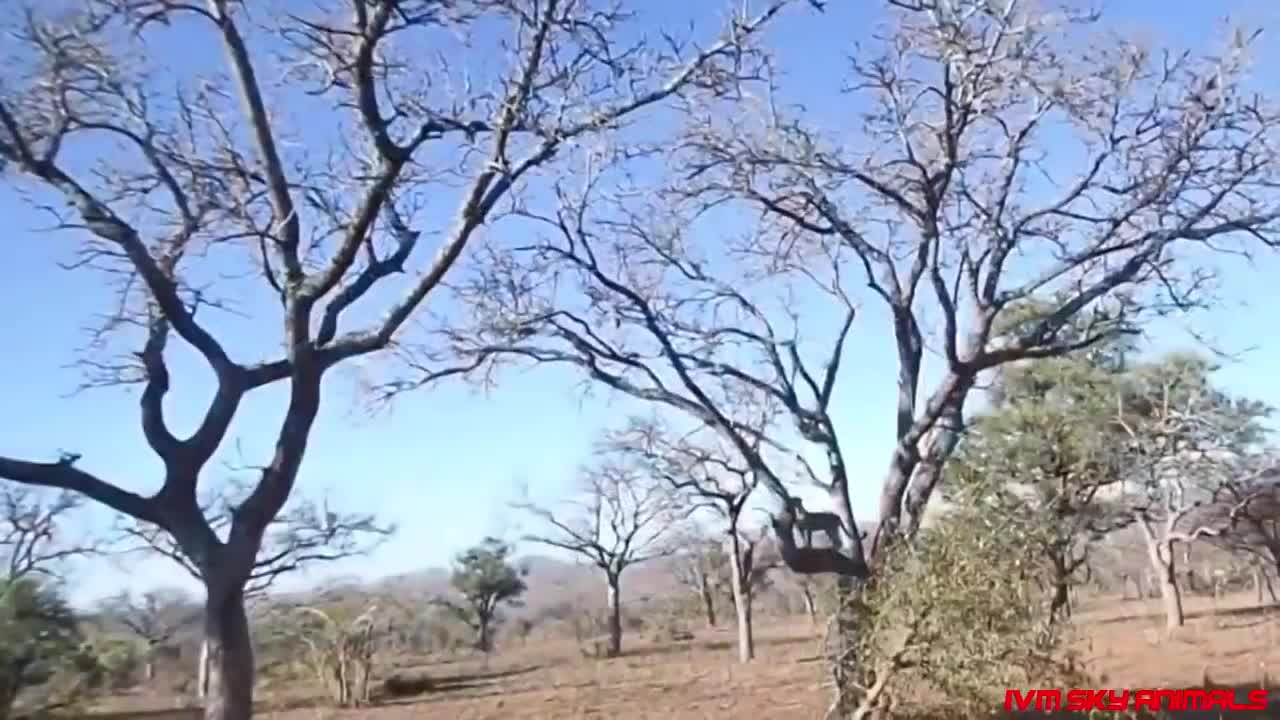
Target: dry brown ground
{"points": [[1123, 643]]}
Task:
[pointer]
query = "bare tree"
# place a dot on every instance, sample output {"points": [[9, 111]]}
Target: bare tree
{"points": [[702, 566], [618, 520], [1251, 504], [1014, 173], [931, 207], [339, 636], [1189, 441], [210, 172], [31, 539], [155, 617], [701, 473]]}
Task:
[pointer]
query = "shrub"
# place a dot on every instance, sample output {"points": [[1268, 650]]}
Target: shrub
{"points": [[39, 643], [956, 609], [407, 684]]}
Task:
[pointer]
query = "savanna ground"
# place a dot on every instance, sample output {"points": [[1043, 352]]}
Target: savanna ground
{"points": [[1230, 642]]}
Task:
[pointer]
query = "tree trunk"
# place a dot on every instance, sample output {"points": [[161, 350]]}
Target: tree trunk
{"points": [[1060, 603], [615, 617], [230, 669], [1172, 597], [1164, 563], [1190, 571], [810, 605], [202, 670], [741, 604], [746, 632], [708, 603], [484, 642]]}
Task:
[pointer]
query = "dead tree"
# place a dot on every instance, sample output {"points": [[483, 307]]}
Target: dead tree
{"points": [[702, 566], [701, 473], [619, 519], [34, 540], [210, 172]]}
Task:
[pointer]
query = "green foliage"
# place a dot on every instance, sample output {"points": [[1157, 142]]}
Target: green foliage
{"points": [[956, 609], [485, 578], [39, 638], [1172, 405], [1046, 451], [108, 663]]}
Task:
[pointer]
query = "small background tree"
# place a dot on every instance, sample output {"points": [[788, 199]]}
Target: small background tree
{"points": [[486, 579], [1048, 442], [338, 640], [705, 477], [154, 617], [702, 566], [619, 519], [1188, 441]]}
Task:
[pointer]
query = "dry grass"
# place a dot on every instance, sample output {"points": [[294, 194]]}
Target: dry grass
{"points": [[1123, 644]]}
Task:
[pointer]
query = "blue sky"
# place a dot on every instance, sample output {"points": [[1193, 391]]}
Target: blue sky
{"points": [[444, 462]]}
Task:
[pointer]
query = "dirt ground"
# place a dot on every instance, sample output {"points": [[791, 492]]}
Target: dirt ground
{"points": [[1227, 643]]}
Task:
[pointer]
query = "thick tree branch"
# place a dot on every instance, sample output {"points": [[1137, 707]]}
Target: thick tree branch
{"points": [[64, 475]]}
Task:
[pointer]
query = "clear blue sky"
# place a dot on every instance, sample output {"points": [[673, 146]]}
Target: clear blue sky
{"points": [[444, 462]]}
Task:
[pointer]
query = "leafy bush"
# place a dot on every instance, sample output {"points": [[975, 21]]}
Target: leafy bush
{"points": [[955, 609], [120, 661], [39, 642]]}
